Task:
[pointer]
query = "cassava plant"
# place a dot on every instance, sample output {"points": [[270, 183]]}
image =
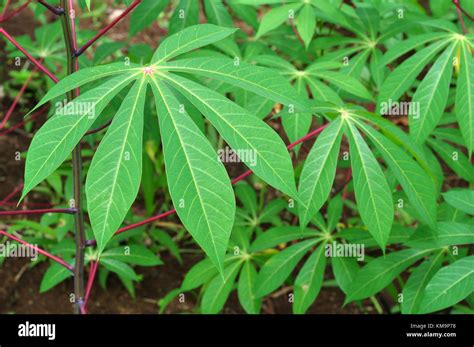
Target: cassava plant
{"points": [[380, 201]]}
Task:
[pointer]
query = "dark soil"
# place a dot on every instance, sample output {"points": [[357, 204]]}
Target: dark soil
{"points": [[19, 293]]}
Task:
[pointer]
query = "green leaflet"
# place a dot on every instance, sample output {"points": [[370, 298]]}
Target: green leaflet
{"points": [[188, 39], [309, 280], [246, 289], [217, 14], [404, 75], [198, 183], [124, 271], [319, 171], [276, 270], [82, 77], [278, 235], [247, 196], [449, 285], [242, 131], [113, 180], [465, 97], [432, 96], [416, 183], [145, 14], [414, 42], [184, 15], [454, 158], [376, 275], [306, 24], [413, 288], [218, 291], [256, 79], [56, 139], [322, 92], [275, 17], [55, 274], [345, 270], [372, 192], [133, 254], [296, 124], [446, 234], [199, 274], [462, 199], [345, 82]]}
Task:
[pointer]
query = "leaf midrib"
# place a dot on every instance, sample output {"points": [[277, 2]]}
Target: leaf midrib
{"points": [[216, 253], [122, 149]]}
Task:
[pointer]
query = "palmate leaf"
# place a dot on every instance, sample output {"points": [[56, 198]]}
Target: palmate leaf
{"points": [[319, 171], [372, 192], [114, 176], [198, 183], [449, 285]]}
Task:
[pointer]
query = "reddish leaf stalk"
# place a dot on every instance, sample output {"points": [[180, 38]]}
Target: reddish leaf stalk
{"points": [[96, 130], [17, 189], [460, 10], [56, 10], [37, 249], [40, 66], [5, 9], [30, 204], [27, 120], [300, 39], [92, 272], [18, 96], [107, 28], [14, 12]]}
